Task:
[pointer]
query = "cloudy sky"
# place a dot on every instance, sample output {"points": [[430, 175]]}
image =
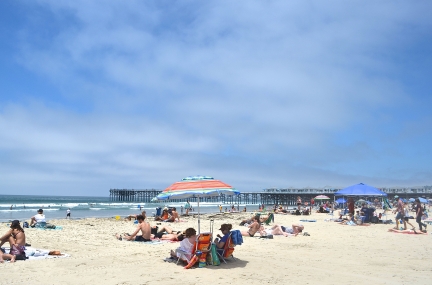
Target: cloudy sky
{"points": [[139, 94]]}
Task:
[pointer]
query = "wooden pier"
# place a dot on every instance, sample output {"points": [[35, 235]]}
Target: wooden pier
{"points": [[270, 196]]}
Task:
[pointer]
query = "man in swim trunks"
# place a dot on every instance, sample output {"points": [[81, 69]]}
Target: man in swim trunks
{"points": [[253, 228], [142, 227]]}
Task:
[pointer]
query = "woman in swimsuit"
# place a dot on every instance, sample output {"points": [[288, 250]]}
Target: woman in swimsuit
{"points": [[253, 228], [16, 238]]}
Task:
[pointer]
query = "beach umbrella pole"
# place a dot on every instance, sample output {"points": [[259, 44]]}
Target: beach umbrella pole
{"points": [[199, 216]]}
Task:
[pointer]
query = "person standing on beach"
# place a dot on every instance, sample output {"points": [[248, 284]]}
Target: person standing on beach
{"points": [[68, 213], [187, 207], [400, 214], [407, 214], [419, 214], [351, 206], [299, 202]]}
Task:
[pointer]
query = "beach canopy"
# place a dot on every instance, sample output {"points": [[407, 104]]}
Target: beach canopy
{"points": [[360, 190], [196, 187], [340, 201], [422, 200]]}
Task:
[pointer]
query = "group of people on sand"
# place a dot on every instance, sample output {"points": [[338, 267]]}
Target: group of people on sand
{"points": [[255, 226], [402, 212], [145, 232], [16, 237]]}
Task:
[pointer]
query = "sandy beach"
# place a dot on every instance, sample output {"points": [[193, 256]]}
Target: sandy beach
{"points": [[332, 254]]}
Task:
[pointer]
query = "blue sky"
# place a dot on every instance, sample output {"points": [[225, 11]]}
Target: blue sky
{"points": [[139, 94]]}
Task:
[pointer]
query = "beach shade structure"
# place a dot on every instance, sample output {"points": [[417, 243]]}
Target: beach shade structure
{"points": [[340, 201], [422, 200], [322, 197], [360, 190], [196, 187]]}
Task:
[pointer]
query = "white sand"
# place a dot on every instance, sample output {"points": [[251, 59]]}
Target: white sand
{"points": [[332, 254]]}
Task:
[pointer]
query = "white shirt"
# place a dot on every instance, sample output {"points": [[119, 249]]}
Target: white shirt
{"points": [[40, 218]]}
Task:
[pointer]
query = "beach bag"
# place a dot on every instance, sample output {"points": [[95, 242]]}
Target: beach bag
{"points": [[25, 225], [215, 257]]}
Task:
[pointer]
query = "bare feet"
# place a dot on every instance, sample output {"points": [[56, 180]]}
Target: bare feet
{"points": [[119, 237], [13, 258]]}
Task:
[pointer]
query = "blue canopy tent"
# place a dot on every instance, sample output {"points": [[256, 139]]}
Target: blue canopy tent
{"points": [[360, 190], [340, 201], [422, 200]]}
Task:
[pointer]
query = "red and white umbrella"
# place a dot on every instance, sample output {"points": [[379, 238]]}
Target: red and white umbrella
{"points": [[196, 187], [322, 197]]}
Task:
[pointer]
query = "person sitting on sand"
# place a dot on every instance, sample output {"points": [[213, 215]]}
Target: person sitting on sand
{"points": [[130, 217], [38, 219], [142, 227], [253, 228], [164, 216], [221, 240], [174, 215], [17, 240], [413, 232], [186, 245]]}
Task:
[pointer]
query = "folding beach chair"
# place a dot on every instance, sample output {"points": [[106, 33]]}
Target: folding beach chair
{"points": [[202, 244], [270, 219], [227, 250]]}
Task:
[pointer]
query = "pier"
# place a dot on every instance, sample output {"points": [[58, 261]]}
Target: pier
{"points": [[269, 196]]}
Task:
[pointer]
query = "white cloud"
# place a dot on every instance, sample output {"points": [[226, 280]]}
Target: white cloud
{"points": [[260, 95]]}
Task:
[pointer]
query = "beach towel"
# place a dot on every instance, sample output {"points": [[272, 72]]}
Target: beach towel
{"points": [[310, 221], [34, 253], [237, 237]]}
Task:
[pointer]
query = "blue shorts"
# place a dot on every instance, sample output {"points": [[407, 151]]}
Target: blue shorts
{"points": [[399, 216]]}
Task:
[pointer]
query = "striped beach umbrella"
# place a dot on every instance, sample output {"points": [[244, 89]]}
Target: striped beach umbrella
{"points": [[321, 197], [196, 187]]}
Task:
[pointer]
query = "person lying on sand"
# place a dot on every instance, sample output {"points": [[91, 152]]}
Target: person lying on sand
{"points": [[275, 230], [253, 228], [166, 233], [130, 217], [412, 232], [142, 227]]}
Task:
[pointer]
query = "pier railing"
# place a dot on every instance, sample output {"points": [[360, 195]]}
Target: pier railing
{"points": [[269, 196]]}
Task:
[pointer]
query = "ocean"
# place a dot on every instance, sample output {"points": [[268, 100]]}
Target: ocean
{"points": [[23, 207]]}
